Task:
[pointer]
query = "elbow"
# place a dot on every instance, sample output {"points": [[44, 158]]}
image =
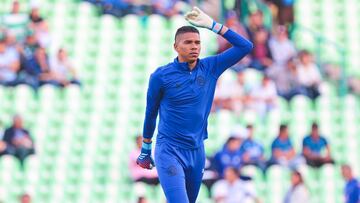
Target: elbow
{"points": [[249, 47]]}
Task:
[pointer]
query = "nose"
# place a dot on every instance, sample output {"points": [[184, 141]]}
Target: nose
{"points": [[194, 47]]}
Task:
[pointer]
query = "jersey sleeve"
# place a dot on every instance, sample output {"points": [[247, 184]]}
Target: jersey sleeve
{"points": [[240, 48], [154, 95]]}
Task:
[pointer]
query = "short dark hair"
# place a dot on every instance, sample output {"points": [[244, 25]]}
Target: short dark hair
{"points": [[283, 127], [186, 29], [314, 126]]}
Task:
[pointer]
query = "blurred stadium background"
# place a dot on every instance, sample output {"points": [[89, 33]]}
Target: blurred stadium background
{"points": [[83, 135]]}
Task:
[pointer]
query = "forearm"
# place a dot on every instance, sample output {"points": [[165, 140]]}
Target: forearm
{"points": [[223, 30], [147, 140], [236, 40], [149, 125]]}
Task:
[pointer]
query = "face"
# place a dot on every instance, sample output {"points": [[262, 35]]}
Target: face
{"points": [[257, 19], [188, 46], [260, 37], [295, 179], [315, 132], [10, 39], [250, 131], [62, 55], [2, 47], [25, 199], [346, 172], [284, 133], [230, 175], [16, 7], [18, 123], [306, 59], [265, 81], [241, 78], [234, 145], [35, 12]]}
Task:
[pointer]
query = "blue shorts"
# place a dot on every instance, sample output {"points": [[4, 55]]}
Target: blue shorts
{"points": [[180, 172]]}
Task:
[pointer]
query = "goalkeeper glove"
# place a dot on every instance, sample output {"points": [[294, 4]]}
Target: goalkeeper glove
{"points": [[144, 160], [198, 18]]}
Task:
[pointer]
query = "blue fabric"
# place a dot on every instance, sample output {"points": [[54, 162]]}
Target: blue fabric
{"points": [[352, 191], [183, 98], [283, 145], [315, 146], [226, 158], [255, 149], [180, 171]]}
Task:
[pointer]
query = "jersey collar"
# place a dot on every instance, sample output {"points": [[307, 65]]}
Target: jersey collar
{"points": [[184, 65]]}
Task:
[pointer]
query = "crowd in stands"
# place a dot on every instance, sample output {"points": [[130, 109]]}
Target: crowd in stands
{"points": [[16, 140], [121, 8], [223, 176], [24, 59]]}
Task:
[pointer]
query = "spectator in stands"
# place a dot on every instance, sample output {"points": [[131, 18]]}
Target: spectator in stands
{"points": [[316, 149], [263, 98], [3, 146], [231, 94], [352, 187], [137, 173], [298, 193], [285, 11], [61, 73], [283, 152], [9, 64], [308, 74], [281, 47], [233, 189], [34, 61], [354, 85], [224, 92], [252, 151], [25, 198], [39, 26], [232, 21], [261, 56], [35, 18], [12, 43], [142, 200], [286, 80], [118, 8], [15, 22], [18, 140], [210, 175], [256, 22], [166, 8], [229, 155], [240, 94]]}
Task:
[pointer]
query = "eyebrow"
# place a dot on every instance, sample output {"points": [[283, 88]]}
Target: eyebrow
{"points": [[189, 40]]}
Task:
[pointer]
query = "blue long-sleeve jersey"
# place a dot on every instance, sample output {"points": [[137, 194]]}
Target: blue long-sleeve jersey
{"points": [[352, 191], [183, 97]]}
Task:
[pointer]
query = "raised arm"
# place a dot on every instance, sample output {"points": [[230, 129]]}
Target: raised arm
{"points": [[228, 58], [241, 47]]}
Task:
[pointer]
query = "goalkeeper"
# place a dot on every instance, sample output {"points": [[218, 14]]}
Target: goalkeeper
{"points": [[183, 91]]}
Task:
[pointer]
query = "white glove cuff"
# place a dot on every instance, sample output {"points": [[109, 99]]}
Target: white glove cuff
{"points": [[216, 27]]}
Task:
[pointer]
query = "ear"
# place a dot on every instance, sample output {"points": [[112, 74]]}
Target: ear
{"points": [[175, 46]]}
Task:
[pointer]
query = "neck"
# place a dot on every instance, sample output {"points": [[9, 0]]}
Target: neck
{"points": [[192, 64]]}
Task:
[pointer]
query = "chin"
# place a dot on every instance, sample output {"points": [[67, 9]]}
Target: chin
{"points": [[192, 59]]}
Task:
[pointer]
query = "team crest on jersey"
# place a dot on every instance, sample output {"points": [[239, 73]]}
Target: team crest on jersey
{"points": [[171, 170], [200, 80]]}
